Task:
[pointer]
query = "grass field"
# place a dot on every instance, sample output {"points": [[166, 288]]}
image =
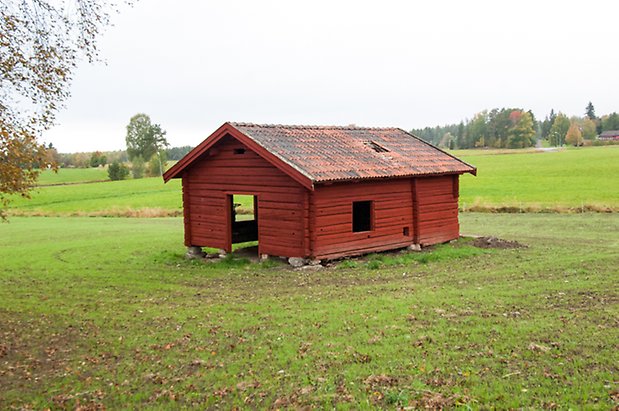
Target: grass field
{"points": [[114, 198], [571, 180], [72, 176], [107, 312]]}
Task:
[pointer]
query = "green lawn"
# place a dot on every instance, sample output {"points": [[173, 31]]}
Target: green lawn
{"points": [[100, 311], [104, 198], [572, 178], [72, 176]]}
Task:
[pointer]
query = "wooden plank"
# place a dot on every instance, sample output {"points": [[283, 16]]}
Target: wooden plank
{"points": [[186, 210], [404, 203], [268, 241], [281, 250], [352, 240], [323, 221], [255, 173], [223, 183], [306, 227], [361, 188], [312, 221], [456, 186], [366, 196], [210, 201], [275, 224], [280, 214], [284, 233], [416, 212], [247, 186], [340, 251]]}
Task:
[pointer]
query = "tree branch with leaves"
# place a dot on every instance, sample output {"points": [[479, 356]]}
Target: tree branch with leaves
{"points": [[41, 43]]}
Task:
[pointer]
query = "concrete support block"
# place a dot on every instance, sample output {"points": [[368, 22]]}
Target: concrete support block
{"points": [[296, 262], [415, 247], [194, 252]]}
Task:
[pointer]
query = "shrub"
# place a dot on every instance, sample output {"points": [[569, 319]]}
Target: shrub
{"points": [[98, 159], [117, 171]]}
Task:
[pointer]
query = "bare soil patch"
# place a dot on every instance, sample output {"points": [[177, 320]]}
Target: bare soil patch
{"points": [[494, 242]]}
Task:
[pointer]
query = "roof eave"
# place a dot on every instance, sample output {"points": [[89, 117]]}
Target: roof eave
{"points": [[229, 129], [473, 171]]}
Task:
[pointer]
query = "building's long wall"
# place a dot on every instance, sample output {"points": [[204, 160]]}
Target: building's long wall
{"points": [[331, 218]]}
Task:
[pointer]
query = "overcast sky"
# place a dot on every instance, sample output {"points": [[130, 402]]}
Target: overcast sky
{"points": [[192, 65]]}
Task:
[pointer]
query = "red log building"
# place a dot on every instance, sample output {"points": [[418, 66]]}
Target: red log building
{"points": [[319, 192]]}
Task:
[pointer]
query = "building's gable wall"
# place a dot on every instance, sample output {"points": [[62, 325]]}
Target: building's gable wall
{"points": [[282, 203]]}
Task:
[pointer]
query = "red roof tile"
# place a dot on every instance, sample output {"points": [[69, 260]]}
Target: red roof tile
{"points": [[328, 153]]}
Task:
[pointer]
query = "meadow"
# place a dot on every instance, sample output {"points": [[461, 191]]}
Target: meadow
{"points": [[72, 176], [107, 313], [562, 180], [570, 180], [100, 312]]}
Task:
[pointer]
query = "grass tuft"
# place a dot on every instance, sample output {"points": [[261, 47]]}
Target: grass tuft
{"points": [[443, 252]]}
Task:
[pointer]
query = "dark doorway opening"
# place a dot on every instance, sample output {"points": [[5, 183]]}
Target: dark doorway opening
{"points": [[361, 216], [244, 218]]}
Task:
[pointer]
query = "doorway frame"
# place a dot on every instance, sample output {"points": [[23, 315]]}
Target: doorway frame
{"points": [[229, 203]]}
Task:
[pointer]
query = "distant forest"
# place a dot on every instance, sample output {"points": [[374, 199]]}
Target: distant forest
{"points": [[101, 158], [518, 128]]}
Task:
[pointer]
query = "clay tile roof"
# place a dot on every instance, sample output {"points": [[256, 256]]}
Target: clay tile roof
{"points": [[330, 153]]}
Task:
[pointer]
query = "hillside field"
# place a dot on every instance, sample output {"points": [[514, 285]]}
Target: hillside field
{"points": [[106, 312], [568, 180], [72, 176], [571, 178]]}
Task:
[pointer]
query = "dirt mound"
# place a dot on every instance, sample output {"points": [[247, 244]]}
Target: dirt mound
{"points": [[493, 242]]}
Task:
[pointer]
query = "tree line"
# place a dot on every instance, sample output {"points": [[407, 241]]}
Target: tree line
{"points": [[518, 128], [103, 158], [146, 154]]}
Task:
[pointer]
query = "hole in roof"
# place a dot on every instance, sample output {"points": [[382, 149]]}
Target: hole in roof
{"points": [[376, 147], [239, 151]]}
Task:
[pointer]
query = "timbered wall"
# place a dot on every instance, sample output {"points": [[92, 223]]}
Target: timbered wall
{"points": [[331, 218], [282, 203], [427, 206], [436, 207]]}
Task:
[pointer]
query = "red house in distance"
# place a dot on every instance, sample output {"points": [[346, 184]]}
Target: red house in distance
{"points": [[320, 192]]}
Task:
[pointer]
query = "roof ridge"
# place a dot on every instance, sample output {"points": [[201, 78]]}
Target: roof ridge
{"points": [[309, 127]]}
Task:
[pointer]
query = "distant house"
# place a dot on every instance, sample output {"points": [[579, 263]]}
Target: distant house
{"points": [[609, 135], [319, 192]]}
